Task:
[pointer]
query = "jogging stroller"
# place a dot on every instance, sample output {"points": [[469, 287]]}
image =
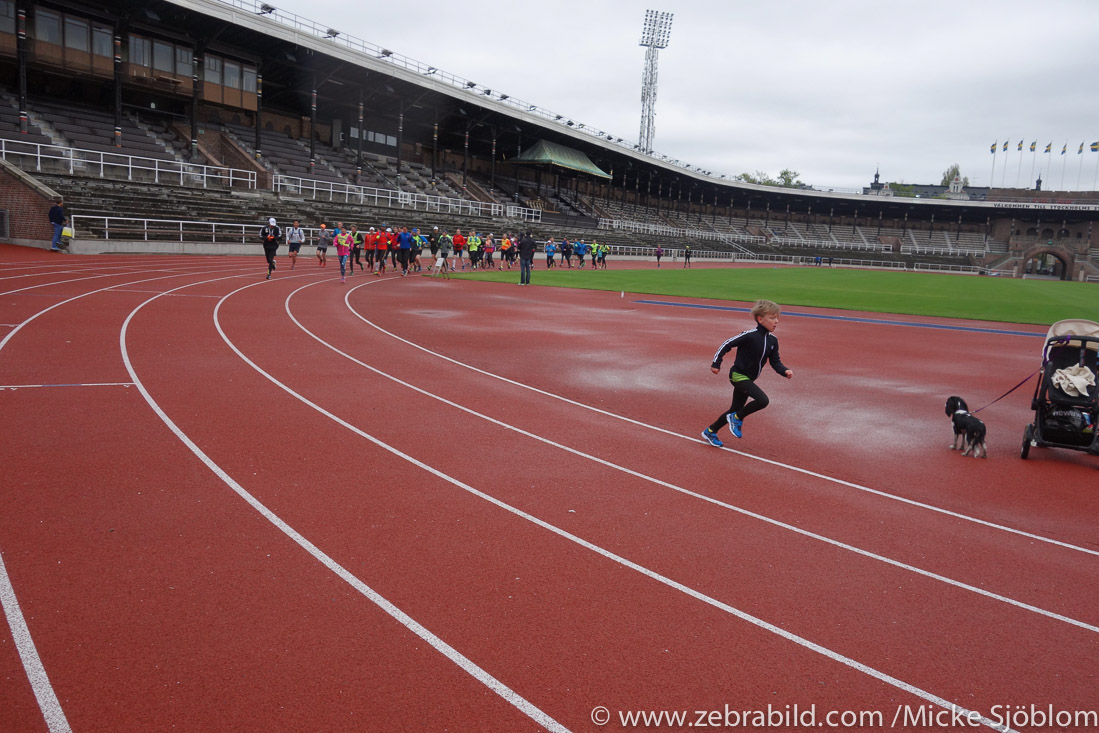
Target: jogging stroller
{"points": [[1066, 398]]}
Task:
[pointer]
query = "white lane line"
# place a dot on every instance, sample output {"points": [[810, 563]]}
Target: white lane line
{"points": [[28, 654], [716, 502], [85, 384], [24, 642], [768, 461], [466, 664], [738, 613]]}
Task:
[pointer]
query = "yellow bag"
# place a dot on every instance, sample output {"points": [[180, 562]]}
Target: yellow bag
{"points": [[67, 232]]}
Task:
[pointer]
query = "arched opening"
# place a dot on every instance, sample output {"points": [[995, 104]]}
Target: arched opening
{"points": [[1046, 266]]}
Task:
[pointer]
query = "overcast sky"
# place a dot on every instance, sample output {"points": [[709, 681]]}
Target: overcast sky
{"points": [[831, 89]]}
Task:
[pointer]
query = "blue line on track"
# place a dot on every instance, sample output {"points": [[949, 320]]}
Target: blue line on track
{"points": [[853, 319]]}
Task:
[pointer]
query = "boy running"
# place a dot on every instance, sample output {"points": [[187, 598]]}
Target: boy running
{"points": [[754, 347]]}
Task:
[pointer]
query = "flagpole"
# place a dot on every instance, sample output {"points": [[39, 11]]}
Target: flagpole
{"points": [[1019, 171], [1033, 158], [1079, 168], [1003, 176], [1064, 154], [992, 178]]}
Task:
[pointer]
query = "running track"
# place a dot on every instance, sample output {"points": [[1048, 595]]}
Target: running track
{"points": [[409, 504]]}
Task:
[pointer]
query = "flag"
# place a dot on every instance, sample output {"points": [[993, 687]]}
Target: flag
{"points": [[1033, 146], [1095, 147], [1005, 146], [992, 149], [1081, 150], [1020, 146], [1064, 149], [1049, 147]]}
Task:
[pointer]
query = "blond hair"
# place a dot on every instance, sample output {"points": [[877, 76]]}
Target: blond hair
{"points": [[765, 308]]}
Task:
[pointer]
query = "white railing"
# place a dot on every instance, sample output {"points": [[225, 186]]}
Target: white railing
{"points": [[643, 227], [164, 230], [367, 196], [821, 244], [935, 267], [118, 165]]}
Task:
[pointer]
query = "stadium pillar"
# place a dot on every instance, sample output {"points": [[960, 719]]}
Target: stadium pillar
{"points": [[400, 142], [118, 86], [362, 134], [435, 146], [767, 219], [259, 112], [21, 60], [854, 221], [313, 127], [879, 222], [492, 163], [831, 213], [518, 153], [196, 59], [748, 211], [465, 160], [713, 211]]}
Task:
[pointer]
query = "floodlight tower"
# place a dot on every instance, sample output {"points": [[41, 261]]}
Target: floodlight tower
{"points": [[654, 36]]}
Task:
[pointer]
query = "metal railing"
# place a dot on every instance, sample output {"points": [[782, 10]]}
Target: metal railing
{"points": [[822, 244], [168, 230], [121, 166], [667, 231], [367, 196]]}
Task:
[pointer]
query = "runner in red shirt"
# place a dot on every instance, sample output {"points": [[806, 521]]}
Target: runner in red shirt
{"points": [[459, 246], [370, 243], [381, 249]]}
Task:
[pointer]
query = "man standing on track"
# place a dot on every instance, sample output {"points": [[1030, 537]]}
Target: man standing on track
{"points": [[270, 236], [527, 246], [58, 220]]}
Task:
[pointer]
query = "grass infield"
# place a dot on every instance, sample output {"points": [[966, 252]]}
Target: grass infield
{"points": [[1007, 300]]}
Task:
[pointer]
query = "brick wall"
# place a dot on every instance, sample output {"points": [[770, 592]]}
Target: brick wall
{"points": [[27, 207]]}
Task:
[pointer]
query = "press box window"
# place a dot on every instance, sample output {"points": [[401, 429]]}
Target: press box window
{"points": [[141, 51], [249, 80], [184, 62], [47, 27], [232, 75], [7, 16], [163, 54], [213, 70], [102, 42]]}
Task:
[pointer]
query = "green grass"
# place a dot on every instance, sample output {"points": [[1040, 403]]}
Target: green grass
{"points": [[923, 294]]}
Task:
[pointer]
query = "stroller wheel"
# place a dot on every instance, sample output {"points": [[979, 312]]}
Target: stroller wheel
{"points": [[1028, 434]]}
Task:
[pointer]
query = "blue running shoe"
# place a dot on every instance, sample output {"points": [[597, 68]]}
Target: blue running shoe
{"points": [[712, 438], [734, 424]]}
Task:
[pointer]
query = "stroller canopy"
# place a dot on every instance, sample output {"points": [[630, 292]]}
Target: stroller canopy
{"points": [[1073, 327]]}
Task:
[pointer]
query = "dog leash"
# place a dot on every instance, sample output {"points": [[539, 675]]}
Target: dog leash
{"points": [[1005, 394]]}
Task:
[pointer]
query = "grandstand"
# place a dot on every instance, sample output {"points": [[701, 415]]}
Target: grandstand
{"points": [[218, 113]]}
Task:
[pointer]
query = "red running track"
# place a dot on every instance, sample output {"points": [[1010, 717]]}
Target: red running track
{"points": [[410, 504]]}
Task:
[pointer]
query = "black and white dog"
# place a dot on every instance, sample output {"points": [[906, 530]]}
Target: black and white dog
{"points": [[969, 432]]}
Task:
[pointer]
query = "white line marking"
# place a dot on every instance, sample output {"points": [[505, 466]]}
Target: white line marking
{"points": [[28, 653], [743, 615], [24, 643], [716, 502], [768, 461], [86, 384], [482, 676]]}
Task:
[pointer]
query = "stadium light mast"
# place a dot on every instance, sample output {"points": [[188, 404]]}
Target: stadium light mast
{"points": [[654, 36]]}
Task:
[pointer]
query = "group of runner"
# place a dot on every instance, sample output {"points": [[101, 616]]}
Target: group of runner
{"points": [[580, 249], [376, 249]]}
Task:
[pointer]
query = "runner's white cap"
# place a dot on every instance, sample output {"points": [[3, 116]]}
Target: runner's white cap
{"points": [[271, 221], [389, 229]]}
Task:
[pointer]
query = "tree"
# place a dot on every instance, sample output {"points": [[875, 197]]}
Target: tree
{"points": [[949, 173], [786, 179]]}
